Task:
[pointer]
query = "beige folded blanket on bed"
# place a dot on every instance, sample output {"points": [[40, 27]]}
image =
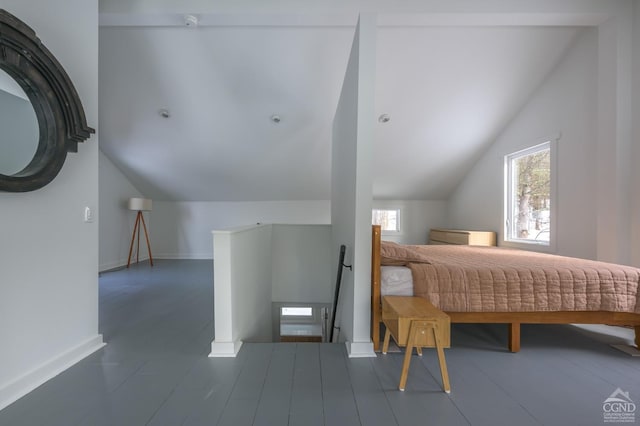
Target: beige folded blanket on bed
{"points": [[495, 279]]}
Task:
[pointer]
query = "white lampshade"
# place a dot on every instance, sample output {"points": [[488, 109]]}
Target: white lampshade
{"points": [[140, 204]]}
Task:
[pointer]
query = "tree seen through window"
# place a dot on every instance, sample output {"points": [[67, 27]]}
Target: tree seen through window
{"points": [[530, 195]]}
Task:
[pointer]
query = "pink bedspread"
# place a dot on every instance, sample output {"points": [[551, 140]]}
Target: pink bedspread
{"points": [[494, 279]]}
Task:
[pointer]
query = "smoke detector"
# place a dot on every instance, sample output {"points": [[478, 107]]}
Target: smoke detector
{"points": [[275, 118], [384, 118], [190, 21], [164, 113]]}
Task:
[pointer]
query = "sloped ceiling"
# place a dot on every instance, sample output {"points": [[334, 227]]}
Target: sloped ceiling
{"points": [[221, 87], [448, 90]]}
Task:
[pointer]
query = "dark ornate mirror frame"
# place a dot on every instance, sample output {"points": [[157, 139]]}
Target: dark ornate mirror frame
{"points": [[61, 120]]}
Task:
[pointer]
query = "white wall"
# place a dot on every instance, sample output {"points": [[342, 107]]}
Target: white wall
{"points": [[417, 217], [48, 255], [251, 284], [635, 154], [301, 263], [343, 185], [352, 187], [182, 230], [565, 103], [260, 264], [116, 221], [613, 146], [242, 288]]}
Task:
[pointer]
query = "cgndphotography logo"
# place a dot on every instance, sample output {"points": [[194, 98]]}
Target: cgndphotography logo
{"points": [[619, 408]]}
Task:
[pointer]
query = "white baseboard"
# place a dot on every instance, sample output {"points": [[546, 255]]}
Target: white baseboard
{"points": [[162, 256], [225, 349], [111, 265], [16, 389], [360, 349], [104, 267], [183, 256]]}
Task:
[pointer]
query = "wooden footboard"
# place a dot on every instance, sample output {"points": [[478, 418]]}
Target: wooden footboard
{"points": [[514, 319]]}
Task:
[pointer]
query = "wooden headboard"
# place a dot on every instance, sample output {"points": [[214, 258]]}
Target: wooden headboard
{"points": [[376, 302]]}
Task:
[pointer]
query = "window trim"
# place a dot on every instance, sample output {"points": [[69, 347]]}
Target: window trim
{"points": [[552, 142], [398, 219]]}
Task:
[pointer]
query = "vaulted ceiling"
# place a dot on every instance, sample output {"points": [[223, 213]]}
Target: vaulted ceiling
{"points": [[449, 90]]}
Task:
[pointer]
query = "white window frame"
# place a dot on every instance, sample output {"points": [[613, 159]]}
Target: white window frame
{"points": [[398, 211], [549, 247]]}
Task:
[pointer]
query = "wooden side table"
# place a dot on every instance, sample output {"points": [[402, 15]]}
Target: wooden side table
{"points": [[414, 322]]}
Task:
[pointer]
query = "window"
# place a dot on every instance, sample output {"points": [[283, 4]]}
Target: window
{"points": [[529, 195], [306, 311], [388, 219], [299, 314]]}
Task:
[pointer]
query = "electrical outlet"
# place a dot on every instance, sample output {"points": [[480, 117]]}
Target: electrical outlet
{"points": [[88, 215]]}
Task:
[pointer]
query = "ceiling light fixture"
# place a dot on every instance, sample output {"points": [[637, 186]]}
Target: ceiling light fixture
{"points": [[275, 118], [384, 118], [164, 113], [190, 21]]}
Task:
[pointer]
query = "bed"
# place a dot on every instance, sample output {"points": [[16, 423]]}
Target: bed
{"points": [[498, 285]]}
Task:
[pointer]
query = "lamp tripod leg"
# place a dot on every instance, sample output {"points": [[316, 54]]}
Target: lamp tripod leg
{"points": [[146, 235], [133, 237], [138, 216]]}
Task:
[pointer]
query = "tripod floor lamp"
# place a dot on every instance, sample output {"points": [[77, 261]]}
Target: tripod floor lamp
{"points": [[139, 205]]}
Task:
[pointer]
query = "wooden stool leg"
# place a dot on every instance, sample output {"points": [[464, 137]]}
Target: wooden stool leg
{"points": [[514, 337], [441, 360], [385, 344], [407, 357]]}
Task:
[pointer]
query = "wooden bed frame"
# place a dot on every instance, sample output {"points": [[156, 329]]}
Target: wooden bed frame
{"points": [[513, 319]]}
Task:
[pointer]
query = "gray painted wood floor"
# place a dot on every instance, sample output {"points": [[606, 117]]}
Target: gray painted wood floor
{"points": [[155, 371]]}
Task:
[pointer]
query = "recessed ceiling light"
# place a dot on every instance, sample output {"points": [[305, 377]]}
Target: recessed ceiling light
{"points": [[164, 113], [384, 118], [275, 118], [190, 20]]}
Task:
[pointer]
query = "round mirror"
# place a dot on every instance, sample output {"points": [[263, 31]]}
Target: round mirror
{"points": [[19, 124], [41, 116]]}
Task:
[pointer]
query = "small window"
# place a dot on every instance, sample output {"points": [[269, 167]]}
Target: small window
{"points": [[299, 314], [306, 311], [528, 195], [388, 219]]}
